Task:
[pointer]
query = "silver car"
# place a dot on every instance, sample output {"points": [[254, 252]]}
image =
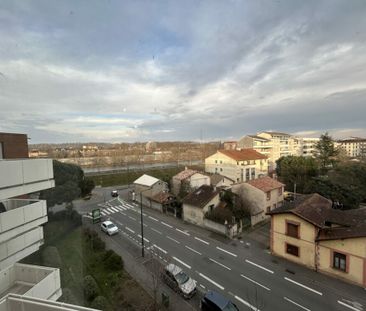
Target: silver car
{"points": [[109, 227], [179, 281]]}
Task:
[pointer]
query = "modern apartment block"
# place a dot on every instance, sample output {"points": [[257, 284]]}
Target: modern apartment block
{"points": [[307, 146], [354, 147], [22, 286]]}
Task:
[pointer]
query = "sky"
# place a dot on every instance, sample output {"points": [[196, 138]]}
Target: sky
{"points": [[126, 71]]}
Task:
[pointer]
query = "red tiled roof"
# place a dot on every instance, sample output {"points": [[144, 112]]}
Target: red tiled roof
{"points": [[265, 183], [243, 155], [162, 197]]}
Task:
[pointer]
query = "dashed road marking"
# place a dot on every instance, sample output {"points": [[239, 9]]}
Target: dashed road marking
{"points": [[255, 282], [246, 303], [258, 266], [132, 218], [160, 249], [303, 286], [211, 281], [203, 241], [174, 240], [296, 304], [181, 231], [153, 218], [219, 263], [130, 230], [348, 306], [157, 231], [227, 252], [165, 224], [182, 262], [193, 250]]}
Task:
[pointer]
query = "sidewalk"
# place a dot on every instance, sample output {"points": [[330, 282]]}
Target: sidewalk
{"points": [[142, 270]]}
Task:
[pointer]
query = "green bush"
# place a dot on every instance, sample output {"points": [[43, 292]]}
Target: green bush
{"points": [[68, 296], [99, 302], [51, 257], [113, 261], [91, 289]]}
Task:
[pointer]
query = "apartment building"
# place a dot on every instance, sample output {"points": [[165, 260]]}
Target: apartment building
{"points": [[310, 232], [22, 286], [354, 147], [238, 165]]}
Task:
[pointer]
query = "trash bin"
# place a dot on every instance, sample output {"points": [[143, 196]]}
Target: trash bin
{"points": [[165, 300]]}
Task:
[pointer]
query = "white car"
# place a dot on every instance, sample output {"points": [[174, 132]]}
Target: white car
{"points": [[179, 281], [109, 227]]}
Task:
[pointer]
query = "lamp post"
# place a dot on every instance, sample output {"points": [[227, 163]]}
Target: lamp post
{"points": [[142, 224]]}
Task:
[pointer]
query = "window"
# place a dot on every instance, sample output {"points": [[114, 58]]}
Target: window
{"points": [[280, 191], [247, 174], [252, 173], [274, 206], [268, 209], [268, 195], [339, 261], [292, 250], [220, 169], [292, 230], [215, 161], [220, 162]]}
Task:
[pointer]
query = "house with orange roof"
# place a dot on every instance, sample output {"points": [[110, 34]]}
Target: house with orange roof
{"points": [[260, 196], [238, 165], [189, 180]]}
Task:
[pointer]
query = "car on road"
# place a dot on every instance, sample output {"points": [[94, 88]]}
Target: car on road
{"points": [[114, 193], [213, 301], [109, 227], [179, 281]]}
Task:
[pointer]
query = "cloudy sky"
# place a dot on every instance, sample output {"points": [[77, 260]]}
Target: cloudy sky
{"points": [[76, 71]]}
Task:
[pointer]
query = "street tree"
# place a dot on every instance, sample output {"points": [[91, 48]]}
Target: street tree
{"points": [[326, 152]]}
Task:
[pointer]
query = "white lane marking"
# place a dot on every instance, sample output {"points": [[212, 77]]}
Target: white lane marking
{"points": [[114, 209], [143, 224], [146, 240], [144, 214], [160, 249], [170, 238], [182, 262], [130, 230], [198, 239], [181, 231], [117, 208], [219, 263], [106, 211], [125, 209], [124, 214], [258, 266], [202, 286], [156, 230], [211, 281], [348, 306], [259, 284], [296, 304], [132, 218], [87, 216], [303, 286], [103, 213], [165, 224], [110, 210], [193, 250], [227, 252], [246, 303], [153, 218]]}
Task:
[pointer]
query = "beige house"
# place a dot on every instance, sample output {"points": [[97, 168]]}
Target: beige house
{"points": [[198, 203], [261, 196], [310, 232], [148, 186], [189, 179], [238, 165], [221, 181]]}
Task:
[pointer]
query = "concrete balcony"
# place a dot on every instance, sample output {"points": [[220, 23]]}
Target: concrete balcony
{"points": [[21, 231], [13, 302], [24, 176], [31, 281]]}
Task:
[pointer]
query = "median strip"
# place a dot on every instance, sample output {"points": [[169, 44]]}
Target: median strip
{"points": [[303, 286]]}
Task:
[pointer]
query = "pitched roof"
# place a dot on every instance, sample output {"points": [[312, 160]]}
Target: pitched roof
{"points": [[146, 180], [184, 174], [265, 183], [216, 178], [201, 196], [333, 224], [243, 155], [276, 133], [162, 197]]}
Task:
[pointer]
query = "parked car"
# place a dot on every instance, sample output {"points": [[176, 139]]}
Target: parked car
{"points": [[109, 227], [213, 301], [114, 193], [179, 281]]}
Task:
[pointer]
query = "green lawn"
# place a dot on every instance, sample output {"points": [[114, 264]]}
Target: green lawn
{"points": [[126, 178], [67, 248]]}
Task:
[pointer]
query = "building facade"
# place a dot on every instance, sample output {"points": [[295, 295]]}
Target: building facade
{"points": [[189, 180], [310, 232], [13, 146], [354, 147], [238, 165]]}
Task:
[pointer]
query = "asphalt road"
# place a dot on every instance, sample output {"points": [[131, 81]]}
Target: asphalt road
{"points": [[248, 275]]}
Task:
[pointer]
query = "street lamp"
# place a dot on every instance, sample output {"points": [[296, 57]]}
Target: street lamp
{"points": [[142, 224]]}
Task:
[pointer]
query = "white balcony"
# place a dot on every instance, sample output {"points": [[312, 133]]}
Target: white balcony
{"points": [[21, 231], [13, 302], [18, 177]]}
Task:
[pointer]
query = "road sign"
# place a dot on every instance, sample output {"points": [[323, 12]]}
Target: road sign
{"points": [[96, 215]]}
